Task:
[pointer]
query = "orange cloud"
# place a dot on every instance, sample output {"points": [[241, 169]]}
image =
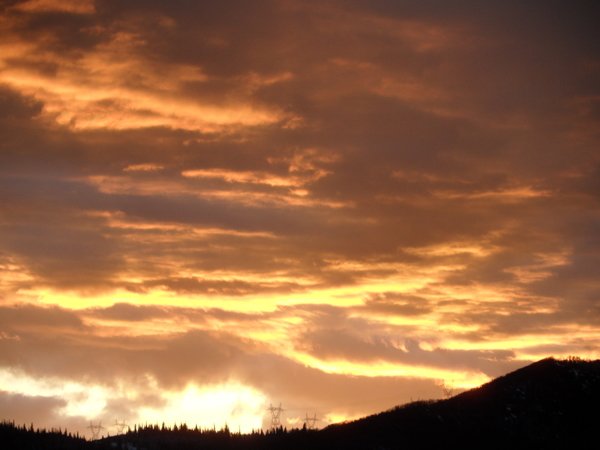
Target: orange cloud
{"points": [[65, 6], [322, 200], [113, 87]]}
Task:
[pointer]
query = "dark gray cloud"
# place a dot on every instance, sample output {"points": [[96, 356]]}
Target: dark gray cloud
{"points": [[29, 316], [27, 410], [333, 334], [397, 304]]}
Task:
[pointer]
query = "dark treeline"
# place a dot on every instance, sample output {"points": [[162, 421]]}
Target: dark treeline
{"points": [[26, 437], [155, 437], [162, 438], [549, 404]]}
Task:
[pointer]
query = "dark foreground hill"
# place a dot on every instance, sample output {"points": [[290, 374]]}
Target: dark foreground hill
{"points": [[548, 404]]}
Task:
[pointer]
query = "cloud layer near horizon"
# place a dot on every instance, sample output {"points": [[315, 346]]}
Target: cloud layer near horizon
{"points": [[335, 205]]}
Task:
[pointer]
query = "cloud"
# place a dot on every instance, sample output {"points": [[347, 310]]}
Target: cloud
{"points": [[21, 316], [24, 409], [315, 201], [331, 334], [52, 6], [397, 304], [174, 361]]}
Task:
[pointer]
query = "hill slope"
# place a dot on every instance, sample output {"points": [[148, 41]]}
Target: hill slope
{"points": [[548, 404]]}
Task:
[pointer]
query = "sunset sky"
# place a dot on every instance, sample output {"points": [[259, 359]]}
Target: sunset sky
{"points": [[339, 206]]}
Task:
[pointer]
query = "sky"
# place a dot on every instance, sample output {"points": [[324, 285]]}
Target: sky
{"points": [[340, 206]]}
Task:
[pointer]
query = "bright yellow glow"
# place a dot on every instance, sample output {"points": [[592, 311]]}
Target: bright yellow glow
{"points": [[460, 379], [143, 168], [339, 417], [239, 407], [451, 249], [585, 353], [554, 336], [343, 296], [244, 177]]}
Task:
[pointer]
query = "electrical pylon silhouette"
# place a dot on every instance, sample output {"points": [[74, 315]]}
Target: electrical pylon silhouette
{"points": [[275, 415], [120, 426], [447, 388], [95, 428], [311, 422]]}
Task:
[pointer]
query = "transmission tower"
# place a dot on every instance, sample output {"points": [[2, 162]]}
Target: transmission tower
{"points": [[447, 388], [95, 428], [121, 426], [275, 415], [311, 422]]}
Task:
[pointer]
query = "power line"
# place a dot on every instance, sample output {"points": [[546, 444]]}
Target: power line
{"points": [[275, 415], [95, 428], [311, 422], [120, 426]]}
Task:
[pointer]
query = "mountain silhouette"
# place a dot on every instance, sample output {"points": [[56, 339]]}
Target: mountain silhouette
{"points": [[546, 405]]}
